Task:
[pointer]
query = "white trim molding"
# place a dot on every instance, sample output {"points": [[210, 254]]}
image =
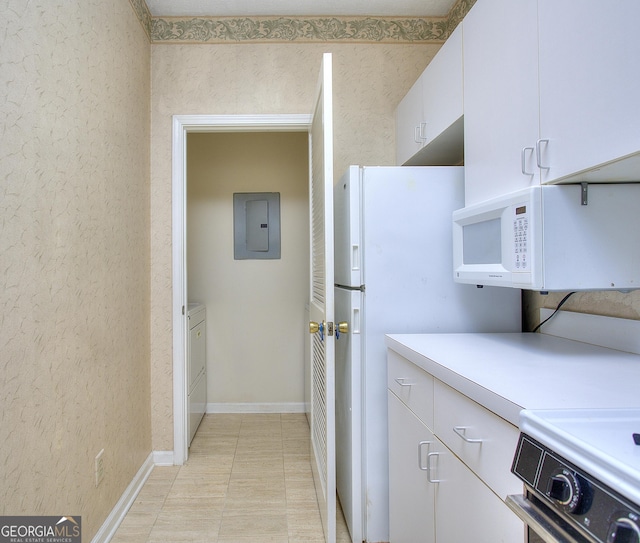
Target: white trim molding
{"points": [[183, 124], [291, 407], [243, 123], [115, 518], [163, 458]]}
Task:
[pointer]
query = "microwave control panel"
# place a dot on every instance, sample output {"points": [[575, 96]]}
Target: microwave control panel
{"points": [[521, 239]]}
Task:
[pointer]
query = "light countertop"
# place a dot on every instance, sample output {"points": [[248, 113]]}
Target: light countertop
{"points": [[509, 372]]}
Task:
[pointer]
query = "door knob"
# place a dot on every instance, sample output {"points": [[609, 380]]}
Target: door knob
{"points": [[343, 327], [317, 327]]}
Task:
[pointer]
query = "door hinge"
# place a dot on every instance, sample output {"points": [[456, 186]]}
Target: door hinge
{"points": [[183, 310]]}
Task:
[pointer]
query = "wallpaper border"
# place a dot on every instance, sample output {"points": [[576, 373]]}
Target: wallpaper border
{"points": [[288, 29], [214, 30], [144, 15]]}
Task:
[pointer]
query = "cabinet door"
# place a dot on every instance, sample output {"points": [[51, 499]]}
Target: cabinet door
{"points": [[466, 510], [409, 124], [442, 88], [411, 495], [589, 84], [500, 51]]}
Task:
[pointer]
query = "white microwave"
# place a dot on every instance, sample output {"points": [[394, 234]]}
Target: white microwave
{"points": [[545, 238]]}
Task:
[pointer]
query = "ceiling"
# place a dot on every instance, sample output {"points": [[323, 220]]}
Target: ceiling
{"points": [[299, 8]]}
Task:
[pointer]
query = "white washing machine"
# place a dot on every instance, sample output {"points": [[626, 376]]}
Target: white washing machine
{"points": [[196, 366]]}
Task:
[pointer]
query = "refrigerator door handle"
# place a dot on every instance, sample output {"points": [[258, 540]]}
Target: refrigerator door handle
{"points": [[355, 321], [355, 257]]}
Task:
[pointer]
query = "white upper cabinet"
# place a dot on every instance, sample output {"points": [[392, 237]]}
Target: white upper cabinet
{"points": [[550, 94], [409, 123], [500, 98], [589, 89], [429, 128], [442, 88]]}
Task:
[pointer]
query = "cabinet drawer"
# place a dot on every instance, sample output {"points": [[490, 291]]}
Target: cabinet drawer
{"points": [[482, 440], [412, 385]]}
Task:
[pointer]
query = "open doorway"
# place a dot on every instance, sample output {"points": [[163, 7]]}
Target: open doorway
{"points": [[183, 125], [319, 128], [254, 307]]}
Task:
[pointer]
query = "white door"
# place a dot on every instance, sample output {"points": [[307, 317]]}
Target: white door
{"points": [[321, 302]]}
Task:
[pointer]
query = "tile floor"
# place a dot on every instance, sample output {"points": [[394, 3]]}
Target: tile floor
{"points": [[248, 480]]}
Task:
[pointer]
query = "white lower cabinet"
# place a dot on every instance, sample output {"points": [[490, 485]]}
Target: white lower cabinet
{"points": [[411, 495], [467, 510], [482, 440], [436, 495]]}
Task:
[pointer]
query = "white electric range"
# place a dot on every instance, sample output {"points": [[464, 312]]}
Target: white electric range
{"points": [[581, 470]]}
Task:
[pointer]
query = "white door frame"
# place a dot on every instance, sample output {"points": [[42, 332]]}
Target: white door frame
{"points": [[183, 124]]}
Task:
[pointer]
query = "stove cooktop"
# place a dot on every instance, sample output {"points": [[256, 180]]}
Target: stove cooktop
{"points": [[600, 441]]}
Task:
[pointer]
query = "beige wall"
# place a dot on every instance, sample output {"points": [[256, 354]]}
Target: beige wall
{"points": [[254, 307], [369, 81], [74, 255]]}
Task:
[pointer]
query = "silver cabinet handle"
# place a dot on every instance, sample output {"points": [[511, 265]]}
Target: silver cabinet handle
{"points": [[423, 129], [429, 477], [418, 133], [423, 468], [400, 381], [523, 160], [460, 431], [538, 157]]}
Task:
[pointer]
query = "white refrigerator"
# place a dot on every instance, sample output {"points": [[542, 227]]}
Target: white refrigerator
{"points": [[393, 273]]}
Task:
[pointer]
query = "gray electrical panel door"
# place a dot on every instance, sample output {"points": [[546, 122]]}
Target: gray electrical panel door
{"points": [[256, 225]]}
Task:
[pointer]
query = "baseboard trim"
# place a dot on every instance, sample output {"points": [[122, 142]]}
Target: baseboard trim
{"points": [[294, 407], [163, 458], [110, 525]]}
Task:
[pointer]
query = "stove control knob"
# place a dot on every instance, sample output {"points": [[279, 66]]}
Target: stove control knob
{"points": [[623, 530], [560, 489], [568, 490]]}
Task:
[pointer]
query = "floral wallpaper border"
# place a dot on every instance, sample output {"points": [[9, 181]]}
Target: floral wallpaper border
{"points": [[285, 29], [143, 14], [307, 29]]}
